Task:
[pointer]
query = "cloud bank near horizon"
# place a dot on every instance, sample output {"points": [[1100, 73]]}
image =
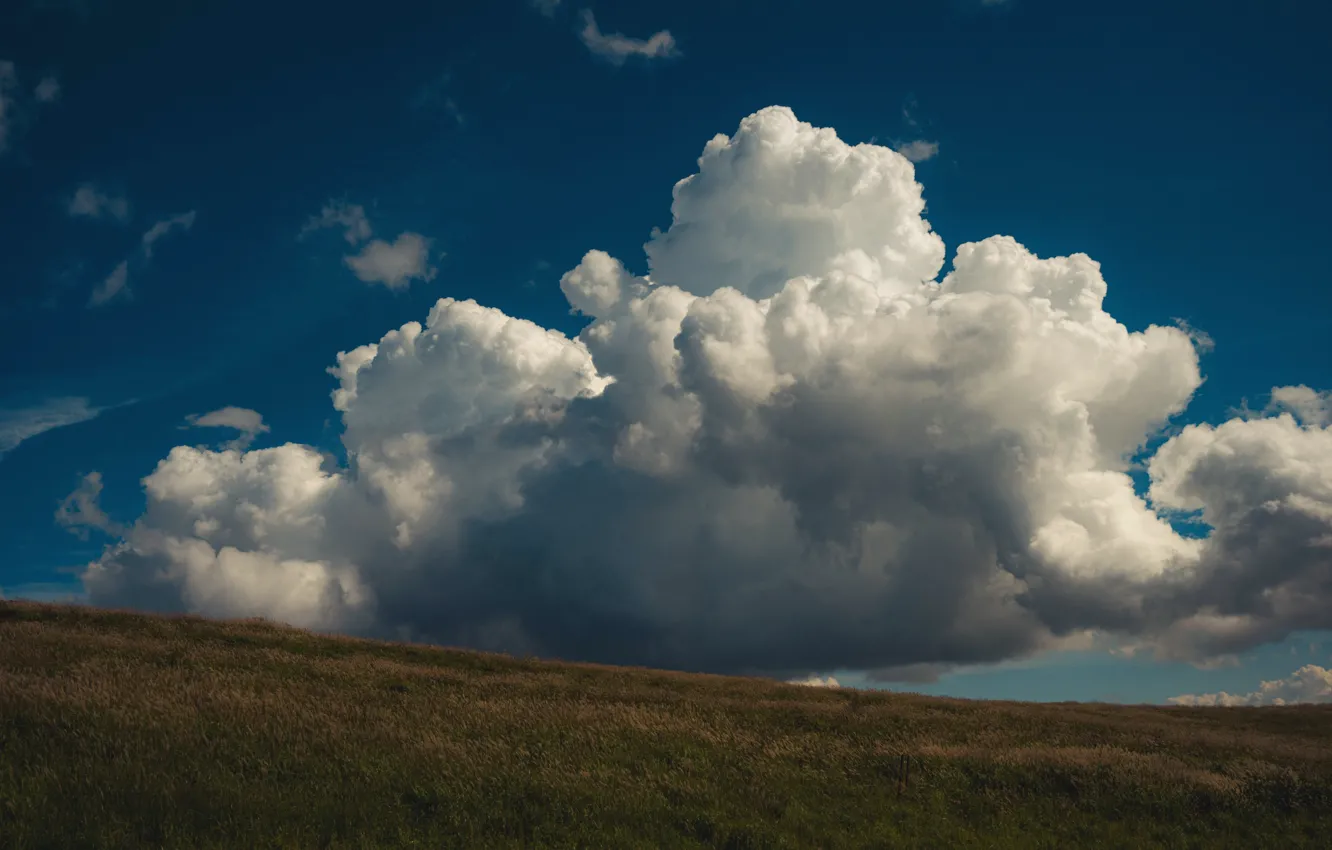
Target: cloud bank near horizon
{"points": [[788, 448], [1309, 684]]}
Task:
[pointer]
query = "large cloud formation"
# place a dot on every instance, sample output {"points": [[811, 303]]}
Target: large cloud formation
{"points": [[789, 448]]}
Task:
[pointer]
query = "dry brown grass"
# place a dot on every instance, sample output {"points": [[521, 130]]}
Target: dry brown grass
{"points": [[122, 730]]}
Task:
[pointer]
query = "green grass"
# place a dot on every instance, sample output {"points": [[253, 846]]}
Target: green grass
{"points": [[127, 730]]}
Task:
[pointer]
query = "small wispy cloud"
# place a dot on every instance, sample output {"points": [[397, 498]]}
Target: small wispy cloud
{"points": [[451, 109], [1202, 341], [184, 221], [116, 283], [395, 264], [350, 217], [82, 510], [918, 150], [47, 90], [616, 47], [909, 107], [248, 422], [439, 96], [14, 113], [90, 202], [546, 7], [18, 425]]}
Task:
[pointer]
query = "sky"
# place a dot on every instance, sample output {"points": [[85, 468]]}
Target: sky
{"points": [[964, 347]]}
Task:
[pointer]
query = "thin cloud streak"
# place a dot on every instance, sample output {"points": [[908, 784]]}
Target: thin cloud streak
{"points": [[616, 47], [20, 425]]}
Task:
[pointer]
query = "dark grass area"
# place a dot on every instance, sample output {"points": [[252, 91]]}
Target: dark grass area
{"points": [[128, 730]]}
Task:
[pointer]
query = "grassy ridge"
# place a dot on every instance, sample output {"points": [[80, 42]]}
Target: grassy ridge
{"points": [[125, 730]]}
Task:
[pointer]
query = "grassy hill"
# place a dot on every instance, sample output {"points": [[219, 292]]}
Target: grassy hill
{"points": [[126, 730]]}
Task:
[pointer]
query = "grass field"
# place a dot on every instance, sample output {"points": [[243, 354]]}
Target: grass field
{"points": [[126, 730]]}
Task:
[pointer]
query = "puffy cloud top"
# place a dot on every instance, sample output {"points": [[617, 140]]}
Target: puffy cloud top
{"points": [[781, 199], [786, 448]]}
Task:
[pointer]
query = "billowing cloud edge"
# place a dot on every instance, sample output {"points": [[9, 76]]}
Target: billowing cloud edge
{"points": [[789, 447]]}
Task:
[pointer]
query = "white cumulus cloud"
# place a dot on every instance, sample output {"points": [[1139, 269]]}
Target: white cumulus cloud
{"points": [[1264, 486], [1309, 684], [616, 47], [787, 446]]}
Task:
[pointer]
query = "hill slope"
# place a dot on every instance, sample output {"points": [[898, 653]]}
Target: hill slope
{"points": [[127, 730]]}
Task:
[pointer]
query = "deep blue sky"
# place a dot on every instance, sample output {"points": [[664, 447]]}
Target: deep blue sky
{"points": [[1184, 145]]}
